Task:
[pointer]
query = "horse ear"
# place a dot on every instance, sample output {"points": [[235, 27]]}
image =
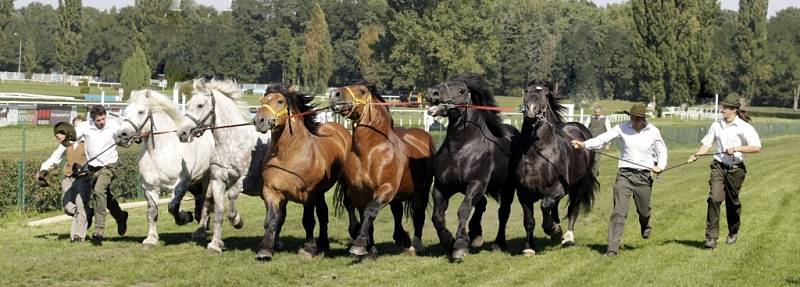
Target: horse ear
{"points": [[147, 94]]}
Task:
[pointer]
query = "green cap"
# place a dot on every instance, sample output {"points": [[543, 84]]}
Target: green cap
{"points": [[66, 129], [637, 110], [731, 100]]}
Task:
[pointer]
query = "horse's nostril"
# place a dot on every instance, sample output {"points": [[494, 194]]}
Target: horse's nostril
{"points": [[435, 94], [337, 95]]}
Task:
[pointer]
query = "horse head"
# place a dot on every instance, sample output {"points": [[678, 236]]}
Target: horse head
{"points": [[539, 102], [135, 118], [199, 110], [273, 113], [443, 96], [352, 101]]}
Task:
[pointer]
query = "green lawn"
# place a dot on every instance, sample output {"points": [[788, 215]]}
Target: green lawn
{"points": [[49, 89], [766, 254]]}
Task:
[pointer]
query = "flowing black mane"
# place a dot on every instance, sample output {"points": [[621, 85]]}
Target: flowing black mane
{"points": [[300, 101], [482, 96], [555, 117]]}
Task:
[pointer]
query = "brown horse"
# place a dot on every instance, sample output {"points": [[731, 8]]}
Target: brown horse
{"points": [[306, 161], [386, 165]]}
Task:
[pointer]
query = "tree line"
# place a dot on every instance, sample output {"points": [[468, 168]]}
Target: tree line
{"points": [[671, 52]]}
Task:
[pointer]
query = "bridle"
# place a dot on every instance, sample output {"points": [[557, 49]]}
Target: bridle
{"points": [[137, 137], [200, 125]]}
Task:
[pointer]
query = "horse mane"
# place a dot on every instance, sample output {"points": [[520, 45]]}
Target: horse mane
{"points": [[156, 102], [482, 96], [373, 89], [300, 101], [228, 88], [555, 106]]}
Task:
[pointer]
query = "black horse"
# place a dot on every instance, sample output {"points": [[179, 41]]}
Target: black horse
{"points": [[474, 159], [550, 168]]}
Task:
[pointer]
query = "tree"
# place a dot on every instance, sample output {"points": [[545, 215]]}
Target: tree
{"points": [[368, 35], [317, 59], [783, 55], [69, 55], [6, 7], [749, 45], [30, 58], [135, 72]]}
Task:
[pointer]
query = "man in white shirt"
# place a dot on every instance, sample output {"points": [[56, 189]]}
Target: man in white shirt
{"points": [[99, 135], [643, 152], [733, 136]]}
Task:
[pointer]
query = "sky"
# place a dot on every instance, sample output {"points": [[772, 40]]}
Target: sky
{"points": [[774, 5]]}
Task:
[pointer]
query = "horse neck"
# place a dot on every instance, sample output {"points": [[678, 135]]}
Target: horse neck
{"points": [[162, 122], [294, 134], [543, 132], [458, 129], [377, 118]]}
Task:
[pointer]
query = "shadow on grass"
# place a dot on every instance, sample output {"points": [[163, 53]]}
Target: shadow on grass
{"points": [[698, 244], [56, 236]]}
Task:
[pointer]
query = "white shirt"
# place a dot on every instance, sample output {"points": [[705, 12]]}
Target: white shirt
{"points": [[739, 133], [57, 156], [645, 148], [98, 140]]}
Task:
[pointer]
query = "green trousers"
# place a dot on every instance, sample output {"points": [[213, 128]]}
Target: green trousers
{"points": [[725, 183], [629, 182], [102, 198]]}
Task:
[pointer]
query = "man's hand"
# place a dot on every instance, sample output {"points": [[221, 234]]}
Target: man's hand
{"points": [[656, 169], [730, 151], [693, 158], [577, 144], [41, 177]]}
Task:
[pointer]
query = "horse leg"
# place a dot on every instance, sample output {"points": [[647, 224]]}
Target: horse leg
{"points": [[548, 224], [472, 195], [572, 215], [152, 216], [174, 206], [363, 241], [233, 212], [400, 235], [276, 212], [440, 201], [420, 204], [215, 245], [475, 231], [199, 200], [201, 233], [506, 199], [310, 246], [323, 243], [526, 200], [353, 218]]}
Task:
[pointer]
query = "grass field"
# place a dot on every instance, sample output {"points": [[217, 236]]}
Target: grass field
{"points": [[766, 254], [49, 89]]}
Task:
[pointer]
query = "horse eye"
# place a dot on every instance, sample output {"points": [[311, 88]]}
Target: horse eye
{"points": [[363, 92], [200, 106], [280, 102], [460, 91], [141, 112]]}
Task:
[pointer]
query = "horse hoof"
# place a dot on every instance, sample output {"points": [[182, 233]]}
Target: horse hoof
{"points": [[477, 242], [183, 218], [528, 252], [238, 223], [279, 246], [358, 250], [263, 258], [199, 235], [373, 254], [148, 246], [460, 253], [497, 248], [567, 243], [416, 245], [213, 251], [305, 253]]}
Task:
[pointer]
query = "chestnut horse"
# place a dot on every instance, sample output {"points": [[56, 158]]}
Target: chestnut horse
{"points": [[387, 165], [306, 160]]}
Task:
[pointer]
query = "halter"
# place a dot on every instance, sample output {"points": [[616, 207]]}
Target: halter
{"points": [[366, 102], [137, 137], [200, 125]]}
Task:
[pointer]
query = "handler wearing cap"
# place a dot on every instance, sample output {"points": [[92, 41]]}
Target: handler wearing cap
{"points": [[75, 185], [733, 136], [643, 152]]}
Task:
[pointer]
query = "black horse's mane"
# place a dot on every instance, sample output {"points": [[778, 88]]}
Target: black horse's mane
{"points": [[482, 96], [300, 101], [556, 108]]}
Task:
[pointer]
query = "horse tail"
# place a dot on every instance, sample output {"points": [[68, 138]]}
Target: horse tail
{"points": [[581, 197], [340, 199]]}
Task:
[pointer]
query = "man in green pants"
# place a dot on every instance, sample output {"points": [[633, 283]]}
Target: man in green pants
{"points": [[733, 136], [99, 135], [643, 152]]}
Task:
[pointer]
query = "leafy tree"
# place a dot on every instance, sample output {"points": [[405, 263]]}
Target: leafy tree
{"points": [[135, 72], [6, 7], [749, 45], [317, 56], [70, 55], [369, 35], [29, 57]]}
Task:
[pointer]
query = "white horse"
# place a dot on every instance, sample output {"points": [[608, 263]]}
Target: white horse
{"points": [[167, 164], [239, 151]]}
